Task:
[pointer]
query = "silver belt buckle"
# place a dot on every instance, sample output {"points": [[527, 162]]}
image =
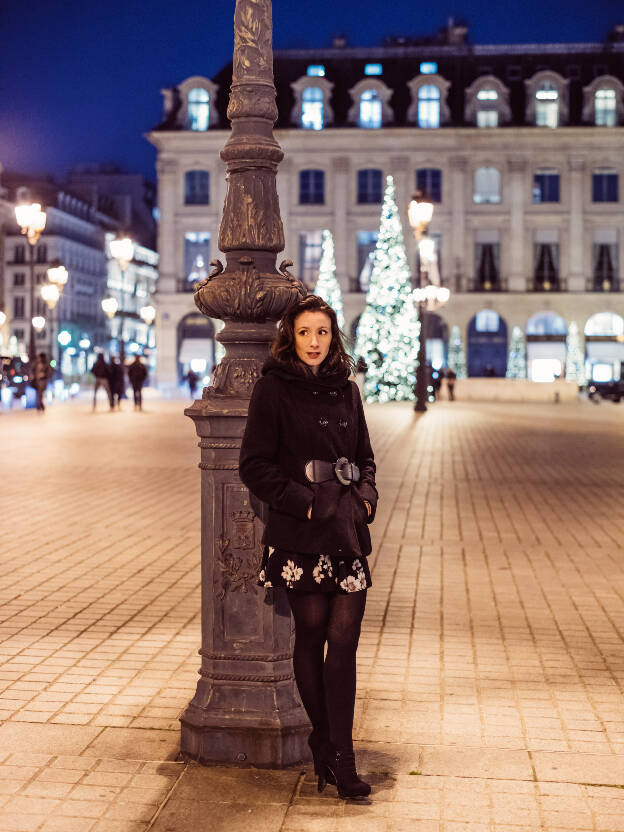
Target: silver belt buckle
{"points": [[339, 467], [309, 471]]}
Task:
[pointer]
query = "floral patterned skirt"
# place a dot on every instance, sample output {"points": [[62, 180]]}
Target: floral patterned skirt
{"points": [[313, 573]]}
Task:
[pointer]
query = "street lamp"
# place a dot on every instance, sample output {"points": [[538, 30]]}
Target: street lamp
{"points": [[147, 313], [31, 220], [428, 295], [39, 322], [122, 250]]}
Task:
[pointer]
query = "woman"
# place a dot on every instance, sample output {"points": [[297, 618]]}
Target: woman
{"points": [[306, 453]]}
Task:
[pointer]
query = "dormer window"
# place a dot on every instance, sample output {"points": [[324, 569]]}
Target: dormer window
{"points": [[603, 102], [429, 108], [198, 109], [547, 99], [487, 102], [316, 70], [370, 108], [312, 109]]}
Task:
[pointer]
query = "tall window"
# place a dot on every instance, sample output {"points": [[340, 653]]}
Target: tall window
{"points": [[605, 260], [547, 105], [41, 253], [370, 109], [312, 108], [429, 183], [366, 244], [18, 306], [369, 186], [429, 106], [310, 245], [196, 187], [604, 185], [198, 109], [605, 108], [487, 108], [546, 260], [545, 186], [20, 254], [311, 187], [19, 279], [487, 264], [487, 185], [196, 256]]}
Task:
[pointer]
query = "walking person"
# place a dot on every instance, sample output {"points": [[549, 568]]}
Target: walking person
{"points": [[192, 379], [137, 373], [451, 376], [307, 454], [41, 376], [102, 373], [117, 382]]}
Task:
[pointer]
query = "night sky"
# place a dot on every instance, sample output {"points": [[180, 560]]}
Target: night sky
{"points": [[80, 81]]}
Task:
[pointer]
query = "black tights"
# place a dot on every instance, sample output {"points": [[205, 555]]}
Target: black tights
{"points": [[327, 685]]}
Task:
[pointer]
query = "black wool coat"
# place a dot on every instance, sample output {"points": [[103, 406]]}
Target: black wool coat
{"points": [[295, 416]]}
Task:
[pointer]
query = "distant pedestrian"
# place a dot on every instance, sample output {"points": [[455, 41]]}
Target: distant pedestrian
{"points": [[102, 374], [117, 381], [137, 373], [361, 368], [451, 376], [192, 379], [40, 377]]}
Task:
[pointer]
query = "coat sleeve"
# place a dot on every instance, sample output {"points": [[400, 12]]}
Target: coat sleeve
{"points": [[258, 466], [364, 458]]}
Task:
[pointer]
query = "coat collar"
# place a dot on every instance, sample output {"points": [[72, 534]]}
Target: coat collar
{"points": [[296, 374]]}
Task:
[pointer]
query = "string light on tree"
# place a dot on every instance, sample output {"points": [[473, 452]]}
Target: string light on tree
{"points": [[516, 361], [327, 287], [575, 361], [456, 354], [388, 330]]}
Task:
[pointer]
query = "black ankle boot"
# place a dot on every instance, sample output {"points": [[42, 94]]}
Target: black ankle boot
{"points": [[321, 750], [341, 765]]}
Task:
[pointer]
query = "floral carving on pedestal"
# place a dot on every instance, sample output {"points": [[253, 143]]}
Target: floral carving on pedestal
{"points": [[238, 573]]}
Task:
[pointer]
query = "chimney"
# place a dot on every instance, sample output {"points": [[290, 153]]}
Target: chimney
{"points": [[339, 42]]}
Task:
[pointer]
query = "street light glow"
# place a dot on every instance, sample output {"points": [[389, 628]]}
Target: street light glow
{"points": [[31, 219], [110, 306], [148, 313], [39, 322], [57, 273], [122, 249], [50, 293], [64, 338]]}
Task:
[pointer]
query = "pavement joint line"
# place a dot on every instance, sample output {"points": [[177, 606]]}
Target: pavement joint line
{"points": [[294, 795], [167, 798]]}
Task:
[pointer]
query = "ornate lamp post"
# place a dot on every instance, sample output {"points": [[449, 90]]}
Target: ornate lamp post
{"points": [[31, 220], [429, 295], [51, 292], [245, 709], [122, 249]]}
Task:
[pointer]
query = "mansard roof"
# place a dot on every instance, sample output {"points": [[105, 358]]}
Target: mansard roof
{"points": [[459, 63]]}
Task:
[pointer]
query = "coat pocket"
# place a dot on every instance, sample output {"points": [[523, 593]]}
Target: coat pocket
{"points": [[326, 499]]}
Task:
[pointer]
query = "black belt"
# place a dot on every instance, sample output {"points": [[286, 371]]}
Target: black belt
{"points": [[317, 470]]}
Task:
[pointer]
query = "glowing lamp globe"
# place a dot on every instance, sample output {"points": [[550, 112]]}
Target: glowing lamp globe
{"points": [[50, 293], [420, 212], [148, 313], [110, 306], [3, 318], [64, 337], [122, 249], [30, 218], [38, 322], [57, 274]]}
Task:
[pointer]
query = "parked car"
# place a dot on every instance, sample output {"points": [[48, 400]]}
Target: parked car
{"points": [[612, 390]]}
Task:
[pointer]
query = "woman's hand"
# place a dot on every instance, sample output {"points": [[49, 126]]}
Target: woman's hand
{"points": [[310, 512], [368, 507]]}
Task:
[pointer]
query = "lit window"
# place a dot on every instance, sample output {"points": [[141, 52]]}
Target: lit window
{"points": [[546, 323], [196, 255], [547, 105], [428, 106], [316, 70], [199, 109], [605, 113], [372, 69], [311, 187], [487, 118], [310, 247], [546, 265], [487, 108], [428, 68], [429, 183], [366, 245], [487, 185], [312, 108], [369, 186], [487, 95], [606, 324], [370, 109], [604, 186], [545, 186], [487, 321], [196, 187]]}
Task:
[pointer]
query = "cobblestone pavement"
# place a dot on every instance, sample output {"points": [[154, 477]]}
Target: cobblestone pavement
{"points": [[491, 661]]}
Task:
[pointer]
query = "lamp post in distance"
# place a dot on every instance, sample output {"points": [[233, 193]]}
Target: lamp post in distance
{"points": [[428, 295], [122, 250], [51, 293], [31, 220]]}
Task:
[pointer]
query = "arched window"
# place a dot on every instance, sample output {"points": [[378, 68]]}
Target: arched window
{"points": [[605, 107], [547, 105], [487, 321], [197, 187], [198, 109], [312, 108], [546, 323], [487, 186], [487, 107], [428, 106], [370, 109], [605, 324]]}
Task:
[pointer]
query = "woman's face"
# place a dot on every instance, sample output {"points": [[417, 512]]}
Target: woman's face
{"points": [[313, 337]]}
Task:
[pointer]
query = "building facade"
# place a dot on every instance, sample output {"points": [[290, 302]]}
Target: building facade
{"points": [[519, 147]]}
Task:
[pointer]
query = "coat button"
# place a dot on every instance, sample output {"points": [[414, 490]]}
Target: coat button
{"points": [[333, 392], [315, 392], [343, 423], [323, 422]]}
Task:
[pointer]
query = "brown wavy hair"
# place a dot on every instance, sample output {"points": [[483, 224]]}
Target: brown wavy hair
{"points": [[283, 347]]}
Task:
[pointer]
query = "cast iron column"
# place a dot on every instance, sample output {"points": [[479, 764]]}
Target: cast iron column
{"points": [[421, 371], [246, 709]]}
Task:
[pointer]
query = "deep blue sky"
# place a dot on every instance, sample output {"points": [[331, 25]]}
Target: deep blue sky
{"points": [[80, 80]]}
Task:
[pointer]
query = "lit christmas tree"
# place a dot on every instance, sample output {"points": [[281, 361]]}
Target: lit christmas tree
{"points": [[388, 331], [516, 362], [575, 362], [456, 354], [327, 287]]}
